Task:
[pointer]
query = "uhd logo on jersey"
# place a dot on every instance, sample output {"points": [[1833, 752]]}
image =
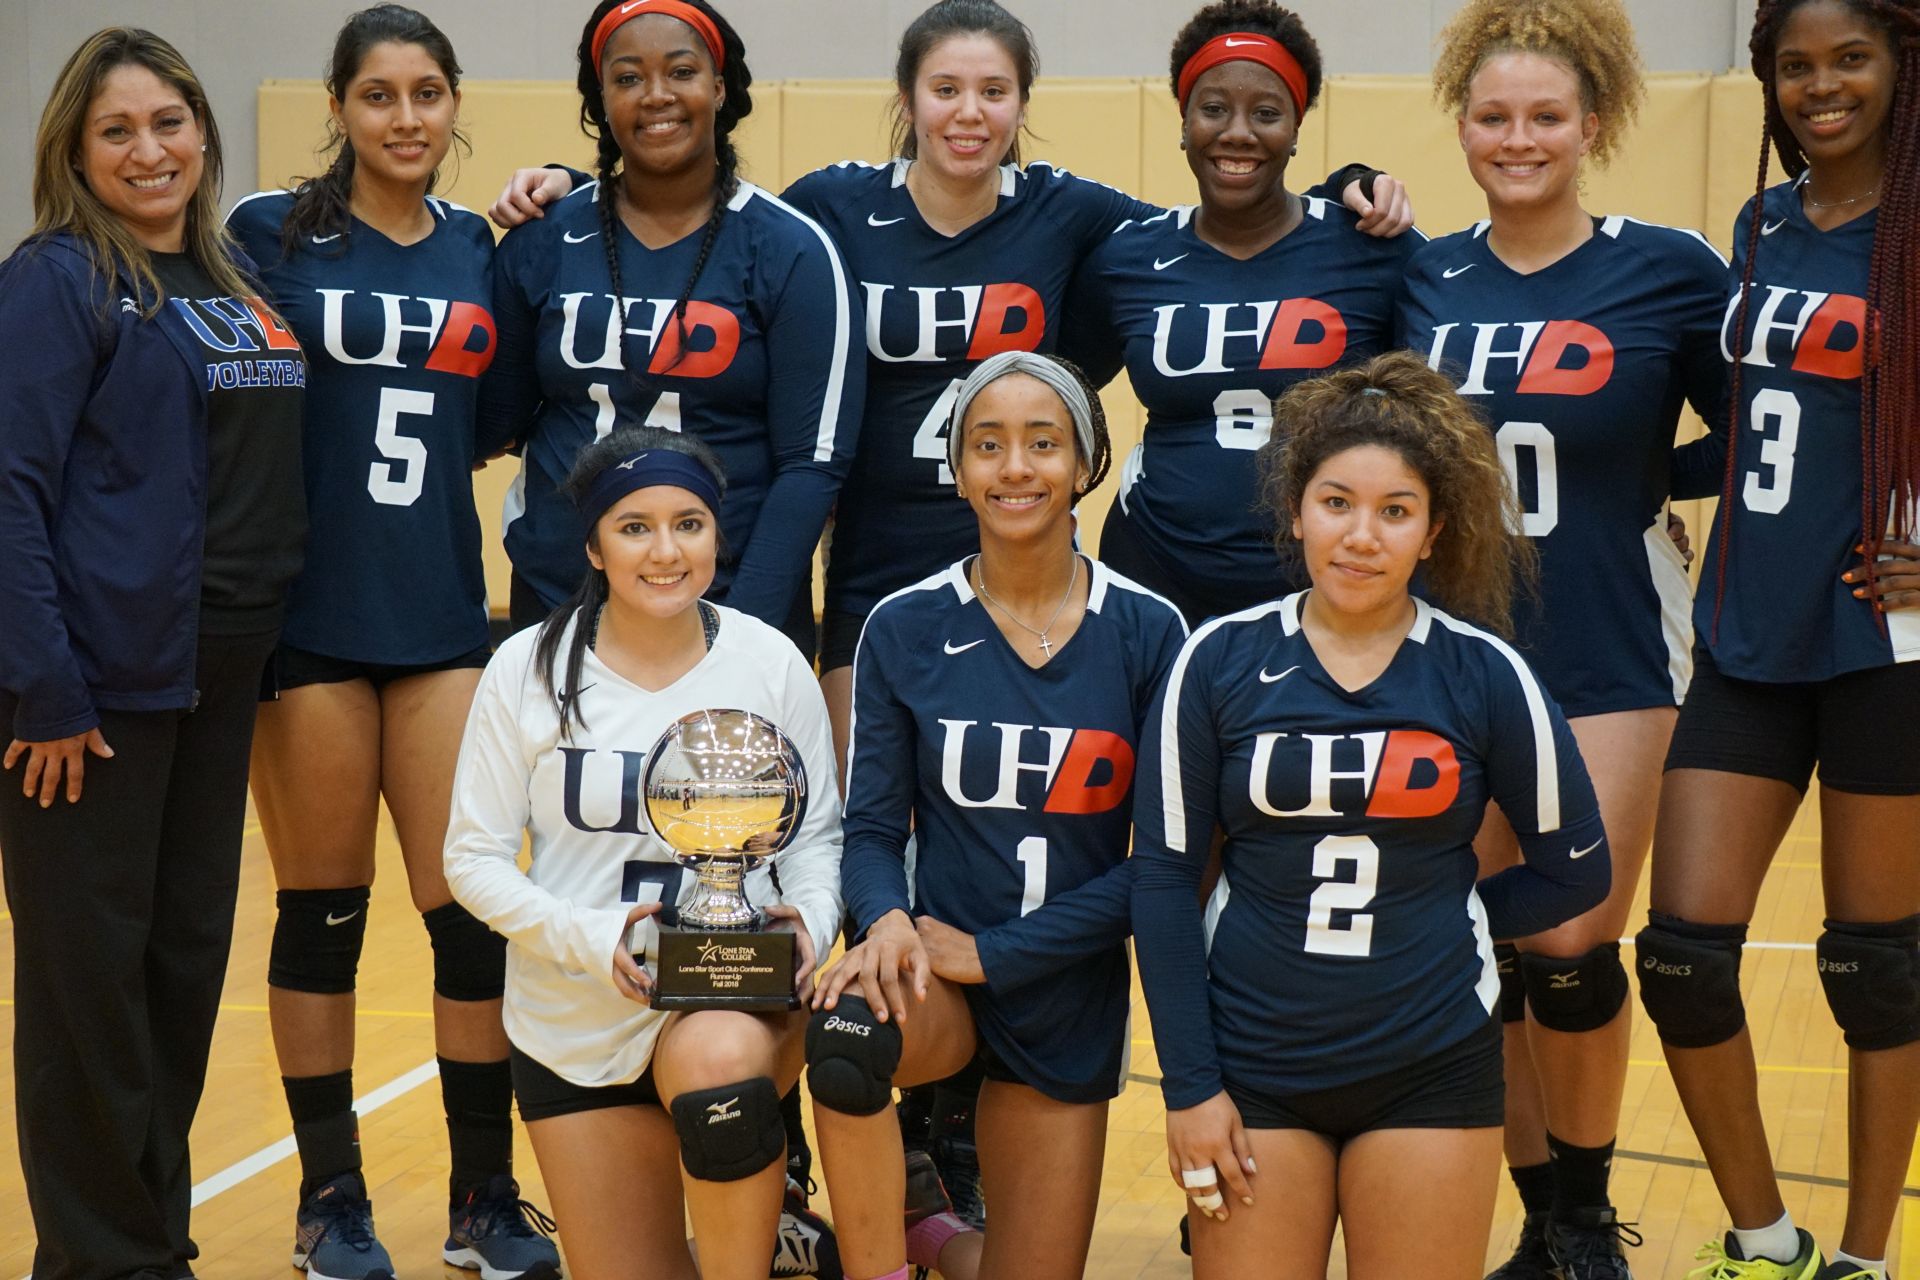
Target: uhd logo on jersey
{"points": [[713, 334], [1084, 770], [459, 336], [1288, 333], [982, 319], [1552, 357], [1400, 773], [1816, 333]]}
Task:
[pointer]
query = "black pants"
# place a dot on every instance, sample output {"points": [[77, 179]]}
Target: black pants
{"points": [[122, 918]]}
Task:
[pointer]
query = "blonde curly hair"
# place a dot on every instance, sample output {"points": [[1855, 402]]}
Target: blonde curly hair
{"points": [[1592, 37]]}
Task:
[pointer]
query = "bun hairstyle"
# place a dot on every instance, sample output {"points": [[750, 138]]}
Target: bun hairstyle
{"points": [[320, 204], [1890, 366], [1256, 17], [737, 80], [959, 18], [1593, 38], [563, 687], [1397, 403]]}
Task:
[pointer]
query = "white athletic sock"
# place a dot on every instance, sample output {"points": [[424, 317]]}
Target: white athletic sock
{"points": [[1877, 1266], [1776, 1243]]}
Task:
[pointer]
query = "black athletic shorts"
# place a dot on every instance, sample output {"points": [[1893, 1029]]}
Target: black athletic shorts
{"points": [[1460, 1087], [1862, 729], [291, 668], [543, 1095]]}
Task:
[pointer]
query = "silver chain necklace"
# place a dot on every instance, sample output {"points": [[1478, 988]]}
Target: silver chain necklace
{"points": [[1835, 204], [1046, 645]]}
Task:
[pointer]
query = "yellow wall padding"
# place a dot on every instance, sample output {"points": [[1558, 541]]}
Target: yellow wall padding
{"points": [[1690, 162]]}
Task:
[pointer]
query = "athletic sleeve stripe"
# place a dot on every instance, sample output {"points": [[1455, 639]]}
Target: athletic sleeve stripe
{"points": [[842, 329], [1173, 808], [1546, 758]]}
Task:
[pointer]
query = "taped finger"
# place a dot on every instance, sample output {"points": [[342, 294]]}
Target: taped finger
{"points": [[1195, 1178], [1212, 1202]]}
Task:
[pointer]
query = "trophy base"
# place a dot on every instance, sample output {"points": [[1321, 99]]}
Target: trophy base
{"points": [[742, 969]]}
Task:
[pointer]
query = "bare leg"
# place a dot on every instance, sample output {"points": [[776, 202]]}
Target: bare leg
{"points": [[610, 1175], [1040, 1161], [1418, 1194], [1525, 1134], [1288, 1229], [837, 686]]}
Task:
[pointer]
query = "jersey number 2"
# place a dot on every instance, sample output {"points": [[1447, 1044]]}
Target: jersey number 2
{"points": [[1355, 937]]}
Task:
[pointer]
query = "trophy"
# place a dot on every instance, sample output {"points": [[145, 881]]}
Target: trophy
{"points": [[727, 790]]}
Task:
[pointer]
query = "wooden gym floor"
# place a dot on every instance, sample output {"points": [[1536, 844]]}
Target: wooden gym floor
{"points": [[246, 1175]]}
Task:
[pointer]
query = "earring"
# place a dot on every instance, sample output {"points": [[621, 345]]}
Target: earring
{"points": [[1294, 150], [1183, 139], [203, 146]]}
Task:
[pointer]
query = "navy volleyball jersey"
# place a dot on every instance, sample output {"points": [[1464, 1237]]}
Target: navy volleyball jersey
{"points": [[771, 376], [398, 337], [1795, 513], [1346, 937], [1581, 369], [937, 305], [1014, 782], [1208, 342]]}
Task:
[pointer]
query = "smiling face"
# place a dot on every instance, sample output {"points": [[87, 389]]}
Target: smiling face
{"points": [[1240, 128], [398, 114], [966, 106], [661, 93], [140, 155], [1365, 523], [1833, 78], [1525, 129], [658, 547], [1019, 467]]}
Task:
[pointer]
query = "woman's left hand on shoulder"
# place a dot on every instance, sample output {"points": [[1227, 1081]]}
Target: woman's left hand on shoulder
{"points": [[791, 921], [951, 952], [1896, 580]]}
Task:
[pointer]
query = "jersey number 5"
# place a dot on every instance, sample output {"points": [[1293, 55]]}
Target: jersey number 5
{"points": [[1355, 937], [398, 482]]}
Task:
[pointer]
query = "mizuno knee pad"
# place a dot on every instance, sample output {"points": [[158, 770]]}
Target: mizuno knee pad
{"points": [[1871, 973], [1580, 994], [317, 936], [1690, 979], [1513, 991], [732, 1132], [469, 959], [851, 1058]]}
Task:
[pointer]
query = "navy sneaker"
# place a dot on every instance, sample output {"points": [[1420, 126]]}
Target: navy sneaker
{"points": [[1532, 1258], [959, 1167], [805, 1244], [1586, 1243], [333, 1233], [500, 1235]]}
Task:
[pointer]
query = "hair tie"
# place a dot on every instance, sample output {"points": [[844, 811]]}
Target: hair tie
{"points": [[644, 470], [1372, 391], [1069, 388], [620, 15], [1245, 46]]}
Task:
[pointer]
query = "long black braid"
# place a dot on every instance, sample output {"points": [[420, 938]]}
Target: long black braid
{"points": [[737, 80]]}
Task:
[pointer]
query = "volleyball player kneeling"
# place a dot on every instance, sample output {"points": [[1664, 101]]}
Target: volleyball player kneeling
{"points": [[612, 1089], [1327, 1035]]}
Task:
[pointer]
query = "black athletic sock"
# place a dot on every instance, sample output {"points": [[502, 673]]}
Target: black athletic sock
{"points": [[478, 1097], [799, 1154], [916, 1115], [955, 1099], [1579, 1175], [1535, 1183], [324, 1126]]}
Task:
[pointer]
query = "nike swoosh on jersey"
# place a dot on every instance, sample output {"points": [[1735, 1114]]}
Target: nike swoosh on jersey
{"points": [[1772, 227], [571, 238], [325, 239], [1581, 853], [1456, 271], [333, 919], [1162, 266], [951, 649], [1267, 679], [875, 220]]}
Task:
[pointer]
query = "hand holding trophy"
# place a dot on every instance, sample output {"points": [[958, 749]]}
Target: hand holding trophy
{"points": [[727, 791]]}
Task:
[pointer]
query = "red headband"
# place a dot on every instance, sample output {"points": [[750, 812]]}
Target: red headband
{"points": [[620, 15], [1245, 46]]}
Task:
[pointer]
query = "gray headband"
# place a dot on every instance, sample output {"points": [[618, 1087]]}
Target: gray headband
{"points": [[1051, 372]]}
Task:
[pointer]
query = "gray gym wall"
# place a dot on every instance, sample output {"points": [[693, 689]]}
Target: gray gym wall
{"points": [[235, 44]]}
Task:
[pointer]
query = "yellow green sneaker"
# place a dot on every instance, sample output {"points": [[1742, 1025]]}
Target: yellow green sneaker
{"points": [[1723, 1261]]}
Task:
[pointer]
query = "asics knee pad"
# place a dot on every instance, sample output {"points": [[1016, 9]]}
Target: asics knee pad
{"points": [[1580, 994], [851, 1058], [317, 936], [469, 959], [1513, 990], [732, 1132], [1871, 973], [1690, 979]]}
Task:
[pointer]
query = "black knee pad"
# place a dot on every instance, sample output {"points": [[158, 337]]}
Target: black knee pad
{"points": [[1871, 973], [469, 959], [317, 937], [1690, 979], [1513, 991], [1580, 994], [732, 1132], [851, 1058]]}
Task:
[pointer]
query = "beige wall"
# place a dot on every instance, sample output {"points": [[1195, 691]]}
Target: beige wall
{"points": [[1689, 163]]}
